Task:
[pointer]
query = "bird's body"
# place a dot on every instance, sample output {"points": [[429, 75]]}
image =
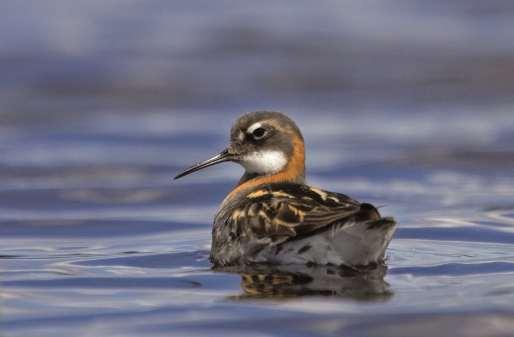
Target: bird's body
{"points": [[297, 224], [272, 216]]}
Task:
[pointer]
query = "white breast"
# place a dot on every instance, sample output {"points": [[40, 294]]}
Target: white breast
{"points": [[264, 162]]}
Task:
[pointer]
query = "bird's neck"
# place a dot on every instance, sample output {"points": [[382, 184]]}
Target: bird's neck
{"points": [[293, 172]]}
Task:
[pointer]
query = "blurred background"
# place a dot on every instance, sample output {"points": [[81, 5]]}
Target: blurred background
{"points": [[436, 76], [61, 61], [407, 104]]}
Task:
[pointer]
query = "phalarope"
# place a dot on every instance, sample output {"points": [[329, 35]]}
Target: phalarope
{"points": [[272, 216]]}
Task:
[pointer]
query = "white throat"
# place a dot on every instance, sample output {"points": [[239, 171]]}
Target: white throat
{"points": [[264, 162]]}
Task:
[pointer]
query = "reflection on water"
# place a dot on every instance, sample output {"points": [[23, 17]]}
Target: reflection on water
{"points": [[275, 282]]}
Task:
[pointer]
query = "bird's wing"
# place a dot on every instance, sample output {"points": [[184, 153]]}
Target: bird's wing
{"points": [[290, 210]]}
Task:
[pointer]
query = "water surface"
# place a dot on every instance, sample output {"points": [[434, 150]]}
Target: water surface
{"points": [[97, 240]]}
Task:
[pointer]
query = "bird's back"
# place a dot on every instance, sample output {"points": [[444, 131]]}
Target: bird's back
{"points": [[289, 223]]}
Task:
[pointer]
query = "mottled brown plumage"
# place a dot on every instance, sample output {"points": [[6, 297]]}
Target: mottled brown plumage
{"points": [[278, 210]]}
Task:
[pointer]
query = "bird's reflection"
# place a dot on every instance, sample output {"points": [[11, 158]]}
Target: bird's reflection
{"points": [[265, 281]]}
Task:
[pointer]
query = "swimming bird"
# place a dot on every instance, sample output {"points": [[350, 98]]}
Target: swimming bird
{"points": [[272, 215]]}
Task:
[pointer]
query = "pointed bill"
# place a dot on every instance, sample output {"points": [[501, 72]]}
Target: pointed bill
{"points": [[219, 158]]}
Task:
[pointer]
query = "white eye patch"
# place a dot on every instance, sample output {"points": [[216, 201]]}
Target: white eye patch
{"points": [[253, 127], [264, 162]]}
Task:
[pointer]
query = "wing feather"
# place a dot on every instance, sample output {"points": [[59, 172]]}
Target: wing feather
{"points": [[289, 210]]}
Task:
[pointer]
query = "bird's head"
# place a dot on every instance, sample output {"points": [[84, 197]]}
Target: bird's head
{"points": [[264, 143]]}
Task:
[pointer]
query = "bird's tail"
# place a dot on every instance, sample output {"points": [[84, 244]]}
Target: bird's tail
{"points": [[364, 242]]}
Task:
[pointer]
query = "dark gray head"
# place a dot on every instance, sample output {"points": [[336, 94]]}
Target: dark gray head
{"points": [[264, 143]]}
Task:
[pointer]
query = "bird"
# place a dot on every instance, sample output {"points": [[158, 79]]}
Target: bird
{"points": [[272, 216]]}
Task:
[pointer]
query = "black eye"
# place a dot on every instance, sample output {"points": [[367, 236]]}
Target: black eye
{"points": [[259, 133]]}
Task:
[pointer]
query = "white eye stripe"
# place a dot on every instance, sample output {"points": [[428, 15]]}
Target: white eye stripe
{"points": [[253, 127]]}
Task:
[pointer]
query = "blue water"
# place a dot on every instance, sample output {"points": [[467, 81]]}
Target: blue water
{"points": [[97, 237], [97, 240]]}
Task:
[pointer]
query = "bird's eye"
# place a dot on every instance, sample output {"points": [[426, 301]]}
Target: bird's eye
{"points": [[259, 133]]}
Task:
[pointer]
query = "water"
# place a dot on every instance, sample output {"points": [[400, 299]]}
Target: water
{"points": [[97, 240]]}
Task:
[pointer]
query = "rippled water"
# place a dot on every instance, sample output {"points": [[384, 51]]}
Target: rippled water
{"points": [[97, 237], [97, 240]]}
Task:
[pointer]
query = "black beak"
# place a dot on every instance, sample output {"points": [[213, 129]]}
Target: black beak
{"points": [[219, 158]]}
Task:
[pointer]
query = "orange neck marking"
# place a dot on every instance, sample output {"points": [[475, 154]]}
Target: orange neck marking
{"points": [[294, 171]]}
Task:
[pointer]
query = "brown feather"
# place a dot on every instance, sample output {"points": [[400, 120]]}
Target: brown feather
{"points": [[284, 211]]}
